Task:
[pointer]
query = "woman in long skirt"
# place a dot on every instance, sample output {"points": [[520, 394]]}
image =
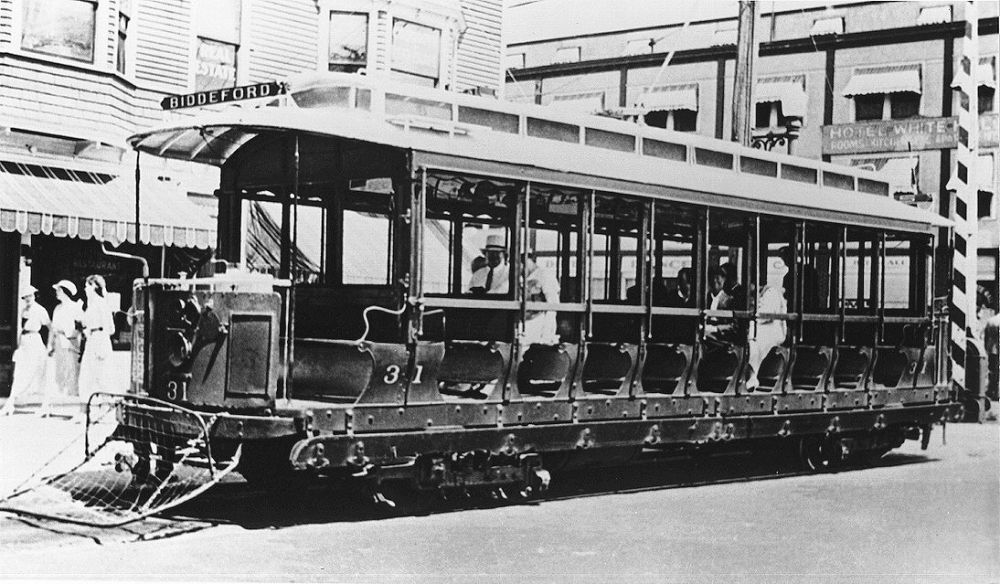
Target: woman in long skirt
{"points": [[64, 340], [98, 326], [30, 358]]}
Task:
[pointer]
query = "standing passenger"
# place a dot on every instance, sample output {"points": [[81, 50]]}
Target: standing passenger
{"points": [[64, 339], [98, 326], [30, 358]]}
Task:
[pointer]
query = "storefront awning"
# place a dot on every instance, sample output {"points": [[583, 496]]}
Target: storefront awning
{"points": [[884, 79], [585, 103], [86, 205], [790, 91], [671, 98]]}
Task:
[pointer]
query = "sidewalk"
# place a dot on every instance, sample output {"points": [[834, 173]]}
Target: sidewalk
{"points": [[65, 406]]}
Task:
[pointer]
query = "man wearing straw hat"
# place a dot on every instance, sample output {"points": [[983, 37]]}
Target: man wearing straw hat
{"points": [[31, 357], [494, 278]]}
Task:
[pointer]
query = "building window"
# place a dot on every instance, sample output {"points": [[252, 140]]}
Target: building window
{"points": [[567, 55], [416, 53], [767, 114], [674, 107], [218, 33], [779, 100], [903, 105], [886, 106], [515, 61], [121, 55], [348, 42], [216, 65], [986, 95], [64, 28], [885, 92], [868, 107]]}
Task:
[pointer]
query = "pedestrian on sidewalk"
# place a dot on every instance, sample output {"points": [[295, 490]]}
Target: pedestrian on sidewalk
{"points": [[30, 357], [98, 326], [65, 340]]}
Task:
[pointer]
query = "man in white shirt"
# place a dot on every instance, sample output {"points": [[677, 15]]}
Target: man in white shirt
{"points": [[494, 278]]}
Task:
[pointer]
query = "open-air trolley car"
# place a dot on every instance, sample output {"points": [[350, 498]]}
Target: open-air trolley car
{"points": [[367, 351]]}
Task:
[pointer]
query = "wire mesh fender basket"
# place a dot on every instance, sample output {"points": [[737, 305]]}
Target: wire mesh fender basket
{"points": [[135, 457]]}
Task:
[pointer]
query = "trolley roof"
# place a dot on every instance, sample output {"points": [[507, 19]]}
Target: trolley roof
{"points": [[474, 134]]}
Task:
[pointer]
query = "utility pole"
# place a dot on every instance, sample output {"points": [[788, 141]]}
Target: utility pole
{"points": [[746, 51]]}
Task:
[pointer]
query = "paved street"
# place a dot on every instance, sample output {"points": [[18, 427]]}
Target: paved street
{"points": [[917, 517]]}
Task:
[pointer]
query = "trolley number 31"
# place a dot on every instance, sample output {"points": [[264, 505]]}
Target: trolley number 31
{"points": [[392, 374], [177, 389]]}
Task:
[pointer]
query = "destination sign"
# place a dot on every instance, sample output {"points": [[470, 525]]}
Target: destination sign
{"points": [[224, 95]]}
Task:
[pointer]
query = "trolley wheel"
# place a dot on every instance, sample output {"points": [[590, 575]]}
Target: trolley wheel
{"points": [[822, 454]]}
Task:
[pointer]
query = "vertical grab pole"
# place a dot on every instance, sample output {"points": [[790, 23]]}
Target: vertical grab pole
{"points": [[290, 311], [145, 283]]}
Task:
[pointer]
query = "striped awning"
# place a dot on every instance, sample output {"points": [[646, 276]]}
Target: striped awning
{"points": [[585, 103], [884, 79], [671, 98], [88, 205], [789, 90], [986, 73]]}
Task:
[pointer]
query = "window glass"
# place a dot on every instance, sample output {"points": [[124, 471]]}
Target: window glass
{"points": [[64, 28], [437, 269], [120, 57], [469, 225], [685, 120], [416, 50], [868, 107], [216, 65], [616, 269], [762, 114], [860, 263], [263, 245], [498, 121], [986, 99], [897, 273], [904, 105], [366, 248], [348, 42], [310, 250], [727, 260], [675, 273]]}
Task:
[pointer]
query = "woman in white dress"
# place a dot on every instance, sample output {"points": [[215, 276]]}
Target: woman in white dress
{"points": [[31, 357], [98, 326], [770, 332], [64, 339]]}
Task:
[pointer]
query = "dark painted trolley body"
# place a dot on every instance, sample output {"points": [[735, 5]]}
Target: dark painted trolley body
{"points": [[368, 203]]}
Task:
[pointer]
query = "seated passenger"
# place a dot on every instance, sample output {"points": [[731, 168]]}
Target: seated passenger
{"points": [[494, 278], [682, 296], [717, 329], [540, 286]]}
